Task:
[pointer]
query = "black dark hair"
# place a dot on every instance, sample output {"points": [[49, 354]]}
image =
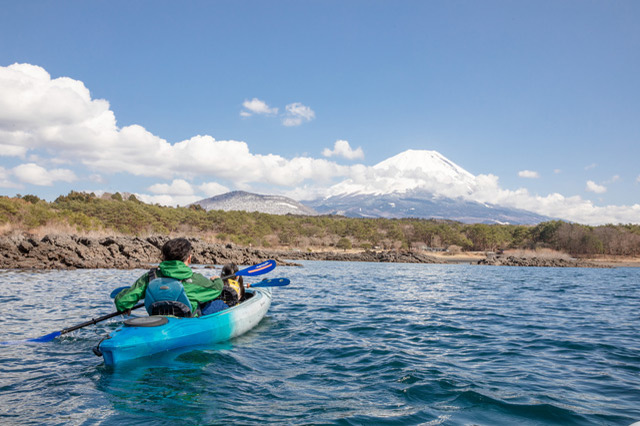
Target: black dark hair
{"points": [[176, 249], [229, 269]]}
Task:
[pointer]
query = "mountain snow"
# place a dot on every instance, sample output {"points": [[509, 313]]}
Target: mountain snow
{"points": [[417, 183], [408, 171], [245, 201]]}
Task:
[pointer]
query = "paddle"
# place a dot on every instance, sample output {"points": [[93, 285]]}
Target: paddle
{"points": [[274, 282], [259, 269], [49, 337], [251, 271]]}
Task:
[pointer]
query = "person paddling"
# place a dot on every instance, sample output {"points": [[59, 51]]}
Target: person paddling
{"points": [[176, 255]]}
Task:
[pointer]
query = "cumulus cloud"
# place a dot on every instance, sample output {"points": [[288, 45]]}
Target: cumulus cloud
{"points": [[614, 179], [257, 106], [594, 187], [35, 175], [297, 114], [57, 121], [342, 149], [168, 200], [177, 187], [12, 150], [5, 179], [528, 174], [555, 205], [211, 189]]}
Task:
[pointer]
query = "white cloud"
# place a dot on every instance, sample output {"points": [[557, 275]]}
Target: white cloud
{"points": [[297, 114], [594, 187], [528, 174], [35, 175], [211, 189], [177, 187], [12, 150], [5, 181], [55, 121], [168, 200], [342, 149], [557, 171], [256, 106], [591, 166], [614, 178]]}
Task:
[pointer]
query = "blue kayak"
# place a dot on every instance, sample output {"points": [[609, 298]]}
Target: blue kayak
{"points": [[144, 336]]}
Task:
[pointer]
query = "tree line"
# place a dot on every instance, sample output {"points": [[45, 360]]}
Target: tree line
{"points": [[85, 212]]}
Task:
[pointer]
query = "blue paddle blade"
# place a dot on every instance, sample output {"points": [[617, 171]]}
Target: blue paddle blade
{"points": [[275, 282], [46, 338], [115, 292], [259, 269], [42, 339]]}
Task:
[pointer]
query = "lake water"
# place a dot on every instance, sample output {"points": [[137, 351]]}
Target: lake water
{"points": [[345, 343]]}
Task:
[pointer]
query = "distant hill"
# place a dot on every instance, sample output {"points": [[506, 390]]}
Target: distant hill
{"points": [[246, 201]]}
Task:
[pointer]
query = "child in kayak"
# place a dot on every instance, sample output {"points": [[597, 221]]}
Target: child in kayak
{"points": [[232, 292]]}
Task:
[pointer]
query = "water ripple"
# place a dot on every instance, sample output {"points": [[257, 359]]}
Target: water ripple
{"points": [[344, 344]]}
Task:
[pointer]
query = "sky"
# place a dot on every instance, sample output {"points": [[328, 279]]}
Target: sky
{"points": [[539, 101]]}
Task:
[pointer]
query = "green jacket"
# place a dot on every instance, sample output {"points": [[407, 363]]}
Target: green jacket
{"points": [[199, 288]]}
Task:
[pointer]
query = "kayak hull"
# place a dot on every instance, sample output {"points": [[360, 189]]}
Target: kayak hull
{"points": [[132, 342]]}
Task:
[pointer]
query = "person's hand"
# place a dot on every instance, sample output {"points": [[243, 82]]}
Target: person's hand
{"points": [[214, 278], [126, 312], [248, 285]]}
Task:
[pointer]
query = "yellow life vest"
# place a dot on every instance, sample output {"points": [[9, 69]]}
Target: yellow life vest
{"points": [[236, 286]]}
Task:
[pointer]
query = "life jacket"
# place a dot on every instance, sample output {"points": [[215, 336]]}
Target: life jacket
{"points": [[166, 296], [231, 292], [235, 285]]}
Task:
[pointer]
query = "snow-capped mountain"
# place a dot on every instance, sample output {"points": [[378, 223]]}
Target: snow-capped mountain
{"points": [[240, 200], [414, 183], [421, 204], [407, 171], [420, 184]]}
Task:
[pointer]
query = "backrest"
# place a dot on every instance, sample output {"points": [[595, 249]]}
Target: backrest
{"points": [[166, 296]]}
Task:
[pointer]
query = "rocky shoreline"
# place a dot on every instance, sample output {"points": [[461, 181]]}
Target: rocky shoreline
{"points": [[540, 262], [123, 252]]}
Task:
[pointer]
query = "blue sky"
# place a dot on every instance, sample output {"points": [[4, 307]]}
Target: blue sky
{"points": [[538, 99]]}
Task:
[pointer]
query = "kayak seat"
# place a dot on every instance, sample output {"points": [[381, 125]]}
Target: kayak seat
{"points": [[166, 296]]}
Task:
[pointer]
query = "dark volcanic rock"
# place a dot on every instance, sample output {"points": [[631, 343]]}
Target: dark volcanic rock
{"points": [[403, 256], [119, 252], [538, 261]]}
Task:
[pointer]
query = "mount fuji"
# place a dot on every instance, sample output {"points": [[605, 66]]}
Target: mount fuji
{"points": [[418, 184]]}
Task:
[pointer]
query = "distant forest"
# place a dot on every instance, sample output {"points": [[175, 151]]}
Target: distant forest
{"points": [[83, 213]]}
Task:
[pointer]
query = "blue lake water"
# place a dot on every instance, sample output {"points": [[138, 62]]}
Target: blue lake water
{"points": [[345, 343]]}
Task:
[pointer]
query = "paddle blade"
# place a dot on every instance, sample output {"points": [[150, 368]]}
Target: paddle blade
{"points": [[42, 339], [259, 269], [275, 282], [115, 292]]}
